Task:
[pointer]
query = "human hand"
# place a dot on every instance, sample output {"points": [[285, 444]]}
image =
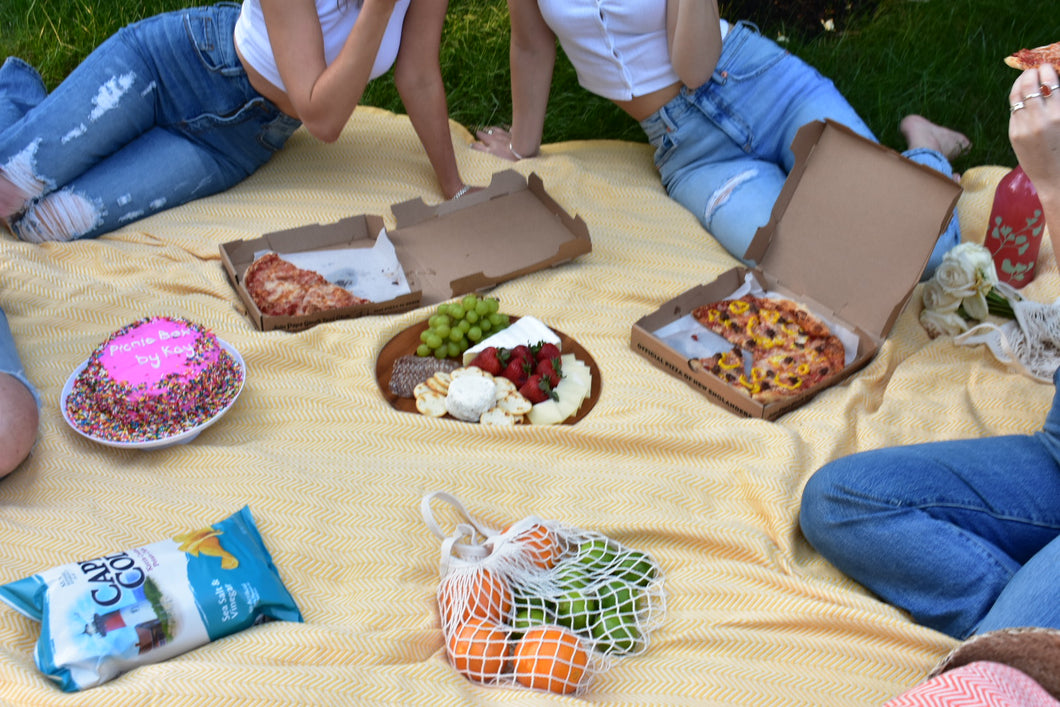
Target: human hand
{"points": [[1034, 127], [495, 140]]}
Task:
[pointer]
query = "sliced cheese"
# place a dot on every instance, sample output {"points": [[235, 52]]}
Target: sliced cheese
{"points": [[546, 413], [571, 392], [525, 330]]}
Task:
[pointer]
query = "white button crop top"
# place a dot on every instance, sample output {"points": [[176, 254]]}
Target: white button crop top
{"points": [[618, 48], [252, 37]]}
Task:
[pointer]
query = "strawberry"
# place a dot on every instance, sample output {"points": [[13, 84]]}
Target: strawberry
{"points": [[546, 351], [523, 351], [536, 389], [550, 369], [517, 370], [491, 359]]}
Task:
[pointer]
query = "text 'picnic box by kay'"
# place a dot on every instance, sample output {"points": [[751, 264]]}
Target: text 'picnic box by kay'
{"points": [[849, 237], [510, 229]]}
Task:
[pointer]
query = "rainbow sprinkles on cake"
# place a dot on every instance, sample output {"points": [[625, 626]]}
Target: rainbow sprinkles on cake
{"points": [[153, 379]]}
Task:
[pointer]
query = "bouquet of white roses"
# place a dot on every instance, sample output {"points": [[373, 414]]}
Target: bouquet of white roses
{"points": [[963, 288]]}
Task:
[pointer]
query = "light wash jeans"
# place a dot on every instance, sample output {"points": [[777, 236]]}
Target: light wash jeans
{"points": [[10, 362], [964, 535], [159, 114], [724, 150]]}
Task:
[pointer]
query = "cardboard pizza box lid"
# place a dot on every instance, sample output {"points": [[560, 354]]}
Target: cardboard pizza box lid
{"points": [[854, 225], [507, 230]]}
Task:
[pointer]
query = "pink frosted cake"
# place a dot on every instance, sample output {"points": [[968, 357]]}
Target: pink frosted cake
{"points": [[153, 379]]}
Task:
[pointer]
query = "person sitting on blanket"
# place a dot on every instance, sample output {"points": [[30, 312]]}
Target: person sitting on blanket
{"points": [[186, 104], [19, 404], [964, 535], [719, 103]]}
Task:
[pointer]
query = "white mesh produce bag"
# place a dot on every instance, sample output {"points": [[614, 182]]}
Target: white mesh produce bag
{"points": [[1029, 344], [541, 604]]}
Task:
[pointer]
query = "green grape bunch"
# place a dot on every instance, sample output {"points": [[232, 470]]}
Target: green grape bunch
{"points": [[457, 326]]}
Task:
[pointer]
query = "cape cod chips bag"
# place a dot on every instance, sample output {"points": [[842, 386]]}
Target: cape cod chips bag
{"points": [[541, 605], [104, 616]]}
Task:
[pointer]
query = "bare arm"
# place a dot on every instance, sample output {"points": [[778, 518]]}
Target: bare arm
{"points": [[324, 96], [1034, 132], [532, 56], [418, 77], [694, 30]]}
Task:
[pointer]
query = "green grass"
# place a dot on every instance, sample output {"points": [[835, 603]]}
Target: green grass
{"points": [[940, 58]]}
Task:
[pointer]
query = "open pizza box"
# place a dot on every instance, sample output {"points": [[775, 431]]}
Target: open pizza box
{"points": [[848, 239], [510, 229]]}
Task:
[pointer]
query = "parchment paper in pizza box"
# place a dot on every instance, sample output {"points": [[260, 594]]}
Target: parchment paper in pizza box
{"points": [[373, 273], [693, 340]]}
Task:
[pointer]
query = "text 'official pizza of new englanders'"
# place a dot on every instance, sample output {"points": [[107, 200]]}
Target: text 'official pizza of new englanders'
{"points": [[791, 351]]}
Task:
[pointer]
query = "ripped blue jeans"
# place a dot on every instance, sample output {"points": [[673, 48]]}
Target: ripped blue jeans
{"points": [[724, 150], [159, 114]]}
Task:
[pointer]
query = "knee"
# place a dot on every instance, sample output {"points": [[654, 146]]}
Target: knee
{"points": [[60, 216], [827, 504], [18, 423]]}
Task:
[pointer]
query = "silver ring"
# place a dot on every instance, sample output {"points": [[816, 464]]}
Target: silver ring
{"points": [[1017, 106], [1032, 95], [490, 131]]}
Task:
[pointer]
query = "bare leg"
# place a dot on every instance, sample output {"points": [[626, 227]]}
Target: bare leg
{"points": [[921, 132], [18, 422], [11, 199]]}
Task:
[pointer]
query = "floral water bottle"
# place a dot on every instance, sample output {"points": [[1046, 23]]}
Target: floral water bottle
{"points": [[1014, 233]]}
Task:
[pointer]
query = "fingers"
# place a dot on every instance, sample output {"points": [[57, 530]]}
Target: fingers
{"points": [[494, 140], [1034, 125], [1033, 88]]}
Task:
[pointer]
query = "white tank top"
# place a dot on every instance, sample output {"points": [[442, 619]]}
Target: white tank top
{"points": [[618, 48], [252, 37]]}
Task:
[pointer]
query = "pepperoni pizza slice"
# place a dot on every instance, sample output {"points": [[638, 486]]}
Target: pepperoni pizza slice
{"points": [[1033, 58], [280, 288]]}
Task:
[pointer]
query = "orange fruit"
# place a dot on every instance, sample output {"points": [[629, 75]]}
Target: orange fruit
{"points": [[550, 658], [479, 594], [543, 546], [479, 649]]}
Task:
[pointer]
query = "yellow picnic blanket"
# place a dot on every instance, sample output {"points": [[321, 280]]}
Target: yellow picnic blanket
{"points": [[334, 475]]}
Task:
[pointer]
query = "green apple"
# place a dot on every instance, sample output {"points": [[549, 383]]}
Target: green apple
{"points": [[614, 634], [636, 567], [618, 597], [575, 608], [528, 617], [572, 575], [596, 554]]}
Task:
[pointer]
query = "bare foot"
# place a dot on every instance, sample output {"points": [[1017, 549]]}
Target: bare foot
{"points": [[921, 132]]}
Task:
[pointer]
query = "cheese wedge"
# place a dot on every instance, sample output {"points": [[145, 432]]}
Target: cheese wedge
{"points": [[525, 330]]}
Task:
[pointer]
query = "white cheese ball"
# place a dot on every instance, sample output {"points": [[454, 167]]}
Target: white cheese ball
{"points": [[469, 397]]}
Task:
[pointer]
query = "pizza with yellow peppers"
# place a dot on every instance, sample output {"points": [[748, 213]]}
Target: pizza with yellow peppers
{"points": [[779, 348]]}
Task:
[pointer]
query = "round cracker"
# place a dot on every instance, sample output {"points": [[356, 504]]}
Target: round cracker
{"points": [[470, 371], [497, 416], [439, 382], [515, 403], [431, 404]]}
